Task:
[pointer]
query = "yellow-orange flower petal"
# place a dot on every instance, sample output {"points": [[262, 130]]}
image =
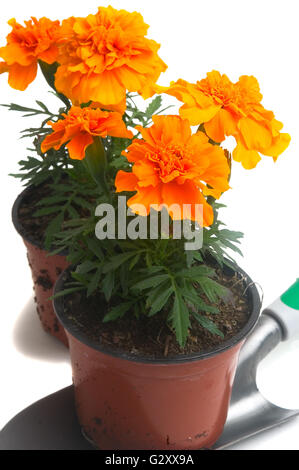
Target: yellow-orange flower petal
{"points": [[21, 76], [104, 55], [279, 144], [231, 109], [125, 181], [79, 127], [26, 45], [172, 166], [248, 158]]}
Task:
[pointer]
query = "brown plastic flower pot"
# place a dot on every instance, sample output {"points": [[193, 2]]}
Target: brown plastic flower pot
{"points": [[45, 270], [129, 402]]}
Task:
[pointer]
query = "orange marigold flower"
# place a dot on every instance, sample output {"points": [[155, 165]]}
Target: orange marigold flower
{"points": [[235, 109], [80, 126], [171, 166], [104, 55], [37, 40]]}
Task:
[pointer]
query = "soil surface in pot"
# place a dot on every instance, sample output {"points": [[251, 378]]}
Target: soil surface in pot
{"points": [[150, 337], [34, 228]]}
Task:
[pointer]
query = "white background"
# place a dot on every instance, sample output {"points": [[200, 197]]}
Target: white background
{"points": [[259, 38]]}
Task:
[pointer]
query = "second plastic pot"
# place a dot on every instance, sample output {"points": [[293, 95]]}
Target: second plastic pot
{"points": [[45, 270]]}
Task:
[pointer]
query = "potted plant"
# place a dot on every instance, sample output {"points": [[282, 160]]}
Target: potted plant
{"points": [[155, 322], [154, 307], [53, 183]]}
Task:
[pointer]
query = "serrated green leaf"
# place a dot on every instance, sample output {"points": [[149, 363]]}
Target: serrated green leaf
{"points": [[160, 301], [108, 285], [94, 282], [153, 106], [194, 272], [192, 256], [53, 228], [45, 201], [66, 292], [43, 106], [47, 211], [117, 312], [190, 294], [123, 277], [80, 278], [212, 289], [233, 247], [208, 324], [72, 212], [180, 319], [86, 267], [94, 246], [80, 201], [153, 270], [151, 282], [134, 262], [30, 163], [231, 235], [117, 261]]}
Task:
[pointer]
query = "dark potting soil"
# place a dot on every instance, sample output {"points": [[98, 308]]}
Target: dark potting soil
{"points": [[34, 228], [150, 336]]}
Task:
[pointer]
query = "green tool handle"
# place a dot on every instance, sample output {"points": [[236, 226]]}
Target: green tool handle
{"points": [[285, 310], [291, 296]]}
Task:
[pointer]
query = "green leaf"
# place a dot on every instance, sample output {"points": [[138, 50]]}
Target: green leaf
{"points": [[117, 312], [51, 200], [80, 201], [108, 285], [196, 272], [47, 211], [231, 235], [86, 267], [233, 247], [134, 262], [208, 324], [160, 301], [80, 278], [212, 289], [72, 212], [43, 106], [30, 163], [153, 269], [123, 277], [53, 228], [192, 256], [117, 261], [190, 294], [66, 292], [94, 283], [153, 106], [151, 282], [180, 319], [94, 246]]}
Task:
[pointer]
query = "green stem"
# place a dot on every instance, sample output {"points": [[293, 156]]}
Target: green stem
{"points": [[96, 162], [48, 71]]}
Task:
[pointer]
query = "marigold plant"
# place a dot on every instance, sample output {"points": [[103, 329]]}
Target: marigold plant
{"points": [[100, 148]]}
